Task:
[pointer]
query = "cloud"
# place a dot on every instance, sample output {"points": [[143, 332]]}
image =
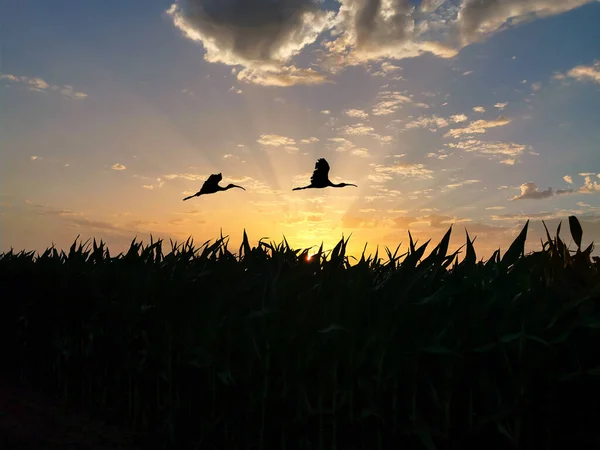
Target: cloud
{"points": [[358, 113], [532, 192], [260, 35], [326, 112], [344, 145], [310, 140], [586, 73], [148, 186], [118, 166], [479, 109], [497, 149], [282, 77], [462, 183], [33, 158], [568, 179], [457, 118], [387, 68], [501, 106], [368, 30], [590, 186], [389, 102], [359, 129], [185, 176], [264, 35], [40, 85], [432, 122], [478, 127], [383, 172], [478, 19], [536, 86], [275, 140], [493, 208]]}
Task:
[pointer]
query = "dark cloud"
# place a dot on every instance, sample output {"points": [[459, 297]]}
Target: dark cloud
{"points": [[250, 32], [264, 35]]}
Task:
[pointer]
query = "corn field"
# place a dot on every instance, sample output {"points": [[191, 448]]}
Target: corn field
{"points": [[203, 348]]}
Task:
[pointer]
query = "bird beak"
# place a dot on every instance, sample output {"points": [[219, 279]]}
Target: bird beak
{"points": [[235, 185]]}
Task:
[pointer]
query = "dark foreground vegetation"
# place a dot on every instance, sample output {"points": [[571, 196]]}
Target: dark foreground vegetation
{"points": [[268, 349]]}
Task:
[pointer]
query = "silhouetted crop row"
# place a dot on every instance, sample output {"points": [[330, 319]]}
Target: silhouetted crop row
{"points": [[202, 348]]}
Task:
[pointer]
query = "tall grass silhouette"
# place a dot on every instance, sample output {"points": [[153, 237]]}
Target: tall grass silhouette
{"points": [[270, 348]]}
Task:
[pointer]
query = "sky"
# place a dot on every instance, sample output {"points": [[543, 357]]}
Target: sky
{"points": [[471, 113]]}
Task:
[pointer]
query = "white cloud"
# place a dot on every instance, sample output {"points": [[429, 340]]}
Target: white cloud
{"points": [[479, 109], [389, 102], [281, 77], [432, 122], [586, 73], [462, 183], [568, 179], [357, 113], [39, 85], [500, 149], [236, 90], [359, 129], [590, 186], [383, 172], [457, 118], [387, 68], [532, 192], [341, 144], [185, 176], [275, 140], [148, 186], [310, 140], [536, 86], [33, 158], [326, 112], [501, 106], [360, 152], [479, 127], [118, 166]]}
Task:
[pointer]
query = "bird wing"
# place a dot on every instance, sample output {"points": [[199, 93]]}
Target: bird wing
{"points": [[211, 182], [321, 172], [213, 179]]}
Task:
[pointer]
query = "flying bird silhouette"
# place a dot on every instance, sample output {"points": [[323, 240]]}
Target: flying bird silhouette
{"points": [[320, 177], [211, 185]]}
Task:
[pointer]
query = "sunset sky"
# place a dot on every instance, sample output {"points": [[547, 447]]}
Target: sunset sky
{"points": [[476, 113]]}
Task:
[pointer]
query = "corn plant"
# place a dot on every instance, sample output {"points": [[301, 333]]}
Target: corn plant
{"points": [[201, 347]]}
